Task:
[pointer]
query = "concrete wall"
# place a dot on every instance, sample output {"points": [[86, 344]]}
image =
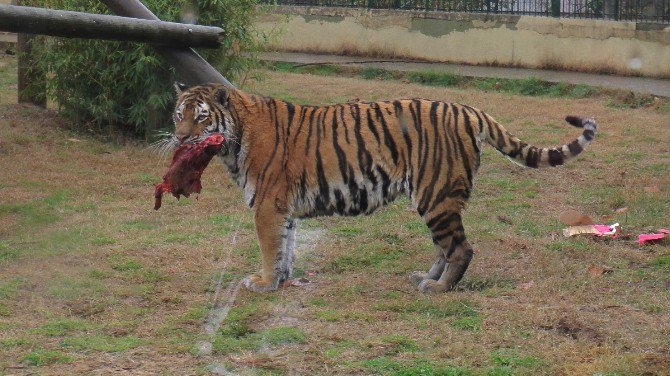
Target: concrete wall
{"points": [[538, 42]]}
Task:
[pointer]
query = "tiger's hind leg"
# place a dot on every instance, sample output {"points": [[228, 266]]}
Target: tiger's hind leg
{"points": [[435, 270], [457, 264], [449, 236]]}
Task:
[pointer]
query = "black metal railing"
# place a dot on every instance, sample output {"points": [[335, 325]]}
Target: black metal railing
{"points": [[623, 10]]}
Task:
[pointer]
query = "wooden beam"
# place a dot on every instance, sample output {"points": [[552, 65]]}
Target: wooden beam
{"points": [[191, 68], [61, 23]]}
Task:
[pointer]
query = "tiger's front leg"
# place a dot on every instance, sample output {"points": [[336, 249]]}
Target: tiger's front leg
{"points": [[272, 229]]}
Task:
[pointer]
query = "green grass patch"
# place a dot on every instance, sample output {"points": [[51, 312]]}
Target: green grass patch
{"points": [[123, 263], [632, 101], [8, 74], [69, 287], [101, 343], [278, 336], [382, 365], [569, 245], [434, 78], [647, 210], [347, 230], [147, 178], [62, 327], [376, 74], [316, 69], [533, 87], [374, 254], [420, 367], [397, 343], [39, 212], [103, 240], [513, 358], [430, 308], [9, 289], [10, 343], [335, 315], [430, 370], [468, 323], [46, 357], [7, 251], [4, 310], [140, 225], [657, 169], [528, 86], [662, 263], [416, 226], [184, 237]]}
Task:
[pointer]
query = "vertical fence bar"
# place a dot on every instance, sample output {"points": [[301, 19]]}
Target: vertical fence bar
{"points": [[617, 10], [555, 8]]}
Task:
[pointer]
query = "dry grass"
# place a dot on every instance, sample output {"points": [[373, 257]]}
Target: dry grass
{"points": [[92, 280]]}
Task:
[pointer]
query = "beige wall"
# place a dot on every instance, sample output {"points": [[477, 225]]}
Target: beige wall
{"points": [[538, 42]]}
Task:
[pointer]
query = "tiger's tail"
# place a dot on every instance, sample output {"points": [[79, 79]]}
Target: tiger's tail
{"points": [[527, 155]]}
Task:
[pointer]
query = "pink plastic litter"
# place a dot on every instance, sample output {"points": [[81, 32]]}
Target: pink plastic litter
{"points": [[650, 238], [604, 229]]}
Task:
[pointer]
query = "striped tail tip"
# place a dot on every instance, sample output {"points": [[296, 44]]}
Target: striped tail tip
{"points": [[575, 121]]}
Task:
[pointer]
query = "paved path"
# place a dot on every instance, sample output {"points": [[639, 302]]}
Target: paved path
{"points": [[660, 87]]}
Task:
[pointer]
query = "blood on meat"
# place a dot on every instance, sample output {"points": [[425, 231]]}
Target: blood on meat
{"points": [[188, 163]]}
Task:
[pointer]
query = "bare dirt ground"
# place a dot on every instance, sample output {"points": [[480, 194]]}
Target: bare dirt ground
{"points": [[93, 281]]}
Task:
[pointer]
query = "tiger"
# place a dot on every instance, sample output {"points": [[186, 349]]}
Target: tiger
{"points": [[301, 161]]}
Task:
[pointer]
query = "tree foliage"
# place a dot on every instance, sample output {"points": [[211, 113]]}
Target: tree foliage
{"points": [[105, 86]]}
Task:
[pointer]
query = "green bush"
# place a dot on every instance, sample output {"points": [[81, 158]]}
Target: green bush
{"points": [[104, 86]]}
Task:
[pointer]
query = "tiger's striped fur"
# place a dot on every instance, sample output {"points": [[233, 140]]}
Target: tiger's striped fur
{"points": [[296, 161]]}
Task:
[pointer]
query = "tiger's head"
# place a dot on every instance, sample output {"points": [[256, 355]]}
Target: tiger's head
{"points": [[201, 111]]}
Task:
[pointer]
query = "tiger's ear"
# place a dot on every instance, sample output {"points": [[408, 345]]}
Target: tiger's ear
{"points": [[179, 87], [222, 96]]}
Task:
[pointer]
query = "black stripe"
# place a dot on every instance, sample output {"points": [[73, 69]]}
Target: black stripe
{"points": [[371, 125], [272, 105], [427, 194], [324, 194], [555, 157], [344, 124], [589, 134], [386, 181], [363, 200], [301, 120], [341, 156], [388, 139], [574, 147], [310, 125], [363, 155], [532, 157], [438, 218], [290, 109]]}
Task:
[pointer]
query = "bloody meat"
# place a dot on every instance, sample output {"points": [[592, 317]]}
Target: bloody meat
{"points": [[188, 163]]}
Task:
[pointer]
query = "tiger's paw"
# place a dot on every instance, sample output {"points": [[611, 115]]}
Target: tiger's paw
{"points": [[256, 283], [417, 277], [432, 286]]}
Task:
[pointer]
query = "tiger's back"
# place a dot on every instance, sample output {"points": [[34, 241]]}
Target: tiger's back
{"points": [[302, 161]]}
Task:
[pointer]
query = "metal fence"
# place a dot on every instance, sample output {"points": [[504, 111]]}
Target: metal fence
{"points": [[624, 10]]}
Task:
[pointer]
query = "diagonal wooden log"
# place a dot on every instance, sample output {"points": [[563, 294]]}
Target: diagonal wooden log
{"points": [[61, 23], [191, 68]]}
